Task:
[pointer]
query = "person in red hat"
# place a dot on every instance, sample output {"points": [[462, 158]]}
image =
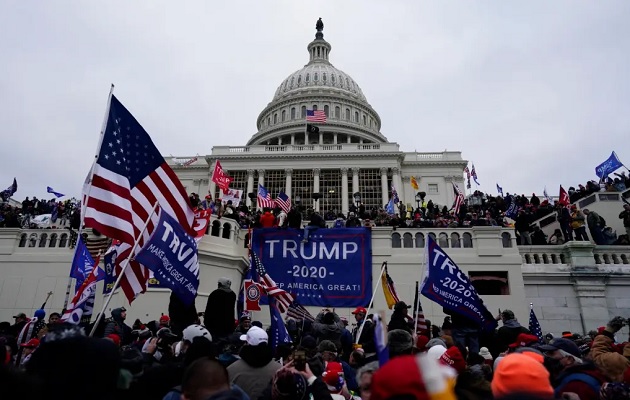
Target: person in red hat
{"points": [[454, 358], [522, 340], [165, 321], [366, 340], [27, 349]]}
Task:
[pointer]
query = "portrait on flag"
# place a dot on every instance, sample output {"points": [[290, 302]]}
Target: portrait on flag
{"points": [[333, 269], [236, 196], [448, 286]]}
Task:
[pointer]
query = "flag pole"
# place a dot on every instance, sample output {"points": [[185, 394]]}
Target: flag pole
{"points": [[89, 188], [378, 283], [122, 270], [418, 287]]}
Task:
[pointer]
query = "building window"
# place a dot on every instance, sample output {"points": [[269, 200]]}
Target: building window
{"points": [[396, 240], [275, 118], [284, 115], [308, 78], [330, 188], [506, 239], [419, 240], [364, 120], [315, 77], [303, 111], [347, 116], [324, 76], [268, 121], [433, 188], [292, 112], [326, 111], [239, 180], [347, 83], [332, 79], [314, 107], [356, 117], [292, 80], [340, 81], [337, 112], [493, 283], [299, 79], [407, 240], [370, 188]]}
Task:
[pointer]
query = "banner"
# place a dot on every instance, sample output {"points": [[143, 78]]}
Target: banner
{"points": [[232, 194], [333, 269], [219, 177], [172, 256], [110, 269], [609, 166], [202, 219], [448, 286], [184, 162]]}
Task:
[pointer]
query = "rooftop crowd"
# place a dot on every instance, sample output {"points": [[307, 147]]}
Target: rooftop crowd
{"points": [[63, 213], [213, 355]]}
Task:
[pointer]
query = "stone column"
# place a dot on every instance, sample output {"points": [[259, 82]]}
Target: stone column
{"points": [[321, 138], [335, 138], [406, 187], [316, 188], [344, 190], [293, 138], [397, 182], [355, 181], [305, 138], [250, 186], [384, 196], [288, 174], [261, 177]]}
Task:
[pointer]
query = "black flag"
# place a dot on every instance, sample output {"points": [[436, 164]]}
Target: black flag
{"points": [[312, 128]]}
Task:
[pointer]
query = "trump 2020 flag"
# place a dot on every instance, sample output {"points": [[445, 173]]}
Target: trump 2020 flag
{"points": [[172, 256], [278, 332], [609, 166], [51, 190], [448, 286]]}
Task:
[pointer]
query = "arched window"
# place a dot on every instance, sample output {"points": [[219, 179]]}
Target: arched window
{"points": [[299, 79], [53, 240], [42, 240], [407, 240], [32, 240], [337, 112], [332, 78], [340, 81], [22, 240], [292, 112], [216, 227], [396, 240], [284, 115], [443, 242], [323, 76], [455, 242], [268, 121], [314, 107], [467, 239], [347, 83], [326, 110], [364, 120], [227, 229], [356, 117], [308, 78], [303, 112], [419, 240], [347, 116], [315, 77], [432, 236], [506, 239], [292, 80], [275, 118], [63, 240]]}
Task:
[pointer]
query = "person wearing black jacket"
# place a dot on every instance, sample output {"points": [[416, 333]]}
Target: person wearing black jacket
{"points": [[294, 219], [219, 316], [465, 331], [400, 318], [564, 218], [510, 330]]}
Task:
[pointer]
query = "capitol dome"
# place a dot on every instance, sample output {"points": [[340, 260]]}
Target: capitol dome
{"points": [[320, 86]]}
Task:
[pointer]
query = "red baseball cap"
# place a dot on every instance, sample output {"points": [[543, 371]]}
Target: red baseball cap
{"points": [[164, 319], [358, 310], [31, 344], [523, 340]]}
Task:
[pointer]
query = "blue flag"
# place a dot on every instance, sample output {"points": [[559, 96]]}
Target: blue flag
{"points": [[278, 333], [390, 209], [609, 166], [395, 195], [380, 341], [51, 190], [499, 190], [110, 269], [172, 256], [82, 263], [55, 213], [512, 208], [10, 191], [448, 286], [534, 325]]}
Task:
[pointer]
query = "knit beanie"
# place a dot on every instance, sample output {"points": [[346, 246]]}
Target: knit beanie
{"points": [[485, 353], [40, 314], [435, 342], [453, 358], [521, 373], [399, 342]]}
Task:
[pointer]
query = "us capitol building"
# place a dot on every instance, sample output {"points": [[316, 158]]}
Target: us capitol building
{"points": [[574, 287]]}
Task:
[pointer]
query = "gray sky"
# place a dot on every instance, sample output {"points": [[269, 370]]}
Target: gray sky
{"points": [[535, 93]]}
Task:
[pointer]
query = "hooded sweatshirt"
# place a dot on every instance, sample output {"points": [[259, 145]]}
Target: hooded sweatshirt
{"points": [[508, 333], [254, 371]]}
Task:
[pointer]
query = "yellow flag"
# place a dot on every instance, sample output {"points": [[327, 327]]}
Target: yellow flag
{"points": [[391, 298], [414, 183]]}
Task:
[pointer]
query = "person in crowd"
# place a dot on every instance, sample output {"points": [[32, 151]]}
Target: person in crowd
{"points": [[625, 217], [256, 368], [595, 225], [329, 353], [609, 236], [54, 318], [508, 333], [267, 219], [164, 322], [613, 363], [181, 314], [220, 310], [346, 340], [364, 379], [207, 379], [364, 337], [316, 222], [20, 320], [522, 375], [294, 219], [27, 349], [563, 215], [538, 236], [454, 358], [244, 323], [400, 343], [328, 326], [465, 332], [521, 225], [116, 325], [281, 218], [487, 356], [556, 238], [577, 224], [400, 318], [572, 373]]}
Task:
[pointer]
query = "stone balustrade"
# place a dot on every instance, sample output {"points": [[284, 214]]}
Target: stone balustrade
{"points": [[575, 254], [310, 148]]}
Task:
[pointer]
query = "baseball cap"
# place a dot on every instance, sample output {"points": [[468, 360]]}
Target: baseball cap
{"points": [[165, 319], [358, 310], [401, 305], [564, 345], [255, 336], [31, 344], [20, 315], [193, 331], [524, 339]]}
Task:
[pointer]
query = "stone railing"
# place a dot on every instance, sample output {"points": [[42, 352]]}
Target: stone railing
{"points": [[302, 148], [42, 238], [576, 254], [223, 228]]}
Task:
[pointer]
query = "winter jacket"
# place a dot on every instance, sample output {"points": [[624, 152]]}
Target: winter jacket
{"points": [[118, 327], [330, 332], [625, 216], [577, 219], [267, 220], [294, 219], [583, 379], [254, 371], [220, 315], [607, 359], [399, 321], [367, 336], [508, 333]]}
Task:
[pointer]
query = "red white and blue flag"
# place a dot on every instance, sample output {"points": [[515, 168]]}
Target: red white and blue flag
{"points": [[283, 298], [316, 116], [284, 202], [128, 177], [264, 198], [82, 304]]}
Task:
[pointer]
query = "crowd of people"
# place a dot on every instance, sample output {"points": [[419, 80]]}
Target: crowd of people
{"points": [[62, 213], [213, 355]]}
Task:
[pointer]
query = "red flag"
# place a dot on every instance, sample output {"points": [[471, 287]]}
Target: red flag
{"points": [[200, 225], [252, 296], [220, 177], [564, 197]]}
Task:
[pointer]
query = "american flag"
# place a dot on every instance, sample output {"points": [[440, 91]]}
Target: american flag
{"points": [[418, 313], [283, 298], [264, 198], [395, 195], [128, 177], [473, 173], [284, 202], [315, 116], [534, 325], [297, 311], [459, 198], [467, 172]]}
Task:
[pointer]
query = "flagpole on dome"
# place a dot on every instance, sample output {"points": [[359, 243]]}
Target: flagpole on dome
{"points": [[123, 268], [88, 182], [369, 307]]}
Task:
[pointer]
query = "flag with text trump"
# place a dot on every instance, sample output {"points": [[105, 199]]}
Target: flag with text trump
{"points": [[448, 286], [128, 177]]}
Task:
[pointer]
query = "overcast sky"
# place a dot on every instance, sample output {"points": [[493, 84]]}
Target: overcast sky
{"points": [[536, 93]]}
